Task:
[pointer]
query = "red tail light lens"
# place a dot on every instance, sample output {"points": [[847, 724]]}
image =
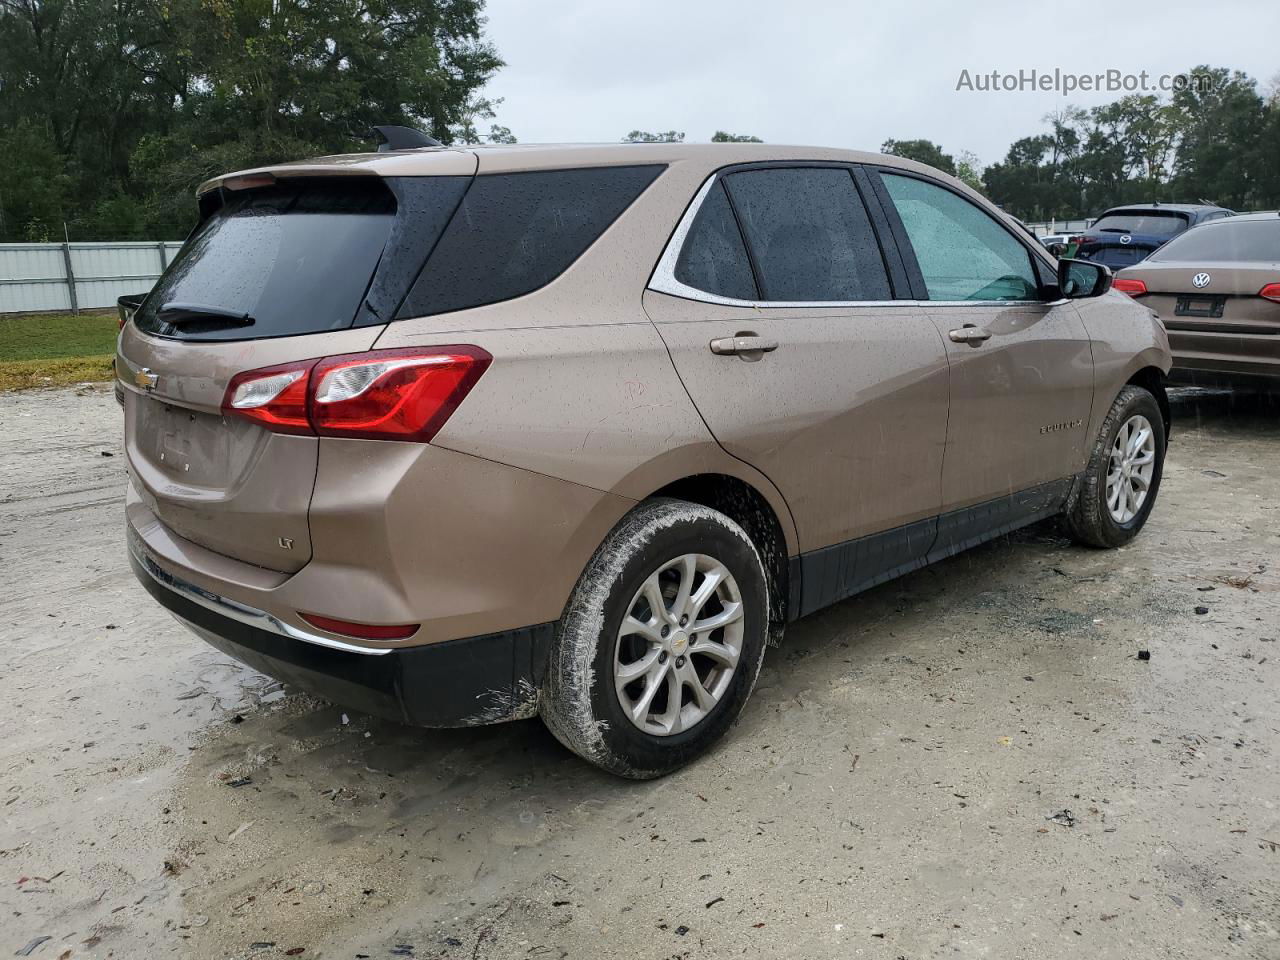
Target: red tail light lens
{"points": [[1270, 292], [403, 394], [393, 394], [1134, 288], [275, 397], [364, 631]]}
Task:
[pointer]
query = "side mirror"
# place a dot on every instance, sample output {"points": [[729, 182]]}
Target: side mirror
{"points": [[1057, 249], [1079, 279]]}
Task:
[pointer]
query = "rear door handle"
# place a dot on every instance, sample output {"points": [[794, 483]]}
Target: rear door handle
{"points": [[744, 345], [970, 334]]}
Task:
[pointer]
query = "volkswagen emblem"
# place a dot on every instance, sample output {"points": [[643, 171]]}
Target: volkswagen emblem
{"points": [[1200, 280], [145, 379], [1126, 239]]}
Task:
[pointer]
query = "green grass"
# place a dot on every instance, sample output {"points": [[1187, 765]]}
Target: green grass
{"points": [[49, 336], [55, 349]]}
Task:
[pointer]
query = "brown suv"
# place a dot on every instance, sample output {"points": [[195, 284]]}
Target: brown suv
{"points": [[459, 436]]}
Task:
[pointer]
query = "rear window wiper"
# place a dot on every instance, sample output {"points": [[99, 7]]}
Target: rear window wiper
{"points": [[179, 314]]}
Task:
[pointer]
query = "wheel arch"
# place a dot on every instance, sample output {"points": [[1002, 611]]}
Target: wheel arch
{"points": [[747, 506], [1152, 379]]}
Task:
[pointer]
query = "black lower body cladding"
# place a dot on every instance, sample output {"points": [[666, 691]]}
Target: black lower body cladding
{"points": [[458, 683]]}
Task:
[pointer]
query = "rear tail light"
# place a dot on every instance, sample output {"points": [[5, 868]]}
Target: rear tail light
{"points": [[1270, 292], [275, 397], [362, 631], [403, 394], [1134, 288]]}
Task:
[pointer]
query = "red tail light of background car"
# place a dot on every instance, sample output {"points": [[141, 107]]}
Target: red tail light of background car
{"points": [[1134, 288], [401, 394]]}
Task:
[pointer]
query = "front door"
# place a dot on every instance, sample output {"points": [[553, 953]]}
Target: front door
{"points": [[804, 365], [1021, 368]]}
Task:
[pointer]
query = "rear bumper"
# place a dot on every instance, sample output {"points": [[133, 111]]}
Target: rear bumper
{"points": [[467, 682]]}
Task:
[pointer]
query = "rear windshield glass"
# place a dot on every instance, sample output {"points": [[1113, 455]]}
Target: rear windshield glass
{"points": [[1230, 241], [293, 258], [1144, 224], [515, 232]]}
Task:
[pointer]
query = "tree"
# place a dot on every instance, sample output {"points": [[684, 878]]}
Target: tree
{"points": [[969, 170], [721, 137], [924, 151], [1222, 128], [643, 136], [34, 187], [143, 99]]}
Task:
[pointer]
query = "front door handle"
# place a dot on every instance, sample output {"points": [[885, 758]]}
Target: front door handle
{"points": [[974, 336], [745, 345]]}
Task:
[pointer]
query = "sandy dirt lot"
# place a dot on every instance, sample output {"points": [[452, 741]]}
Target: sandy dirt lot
{"points": [[895, 788]]}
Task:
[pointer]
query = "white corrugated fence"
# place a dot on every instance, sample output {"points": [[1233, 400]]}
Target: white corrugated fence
{"points": [[77, 276]]}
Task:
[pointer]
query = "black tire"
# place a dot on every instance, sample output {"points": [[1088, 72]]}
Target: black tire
{"points": [[579, 703], [1088, 519]]}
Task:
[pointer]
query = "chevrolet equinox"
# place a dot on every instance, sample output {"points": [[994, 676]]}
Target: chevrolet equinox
{"points": [[465, 435]]}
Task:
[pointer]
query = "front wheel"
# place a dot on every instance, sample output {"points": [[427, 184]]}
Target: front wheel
{"points": [[1122, 479], [661, 642]]}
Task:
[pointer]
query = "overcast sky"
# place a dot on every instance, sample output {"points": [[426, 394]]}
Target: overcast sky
{"points": [[840, 74]]}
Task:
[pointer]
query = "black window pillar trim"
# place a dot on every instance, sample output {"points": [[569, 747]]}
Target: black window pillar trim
{"points": [[756, 274]]}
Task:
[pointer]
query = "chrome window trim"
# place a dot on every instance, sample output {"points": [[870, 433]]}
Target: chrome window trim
{"points": [[234, 610], [664, 278]]}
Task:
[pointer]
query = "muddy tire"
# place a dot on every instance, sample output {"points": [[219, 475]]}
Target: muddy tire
{"points": [[661, 642], [1119, 486]]}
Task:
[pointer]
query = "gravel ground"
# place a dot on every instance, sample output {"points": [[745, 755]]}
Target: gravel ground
{"points": [[897, 787]]}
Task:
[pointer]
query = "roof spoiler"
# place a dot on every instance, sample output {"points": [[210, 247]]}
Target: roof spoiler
{"points": [[402, 138]]}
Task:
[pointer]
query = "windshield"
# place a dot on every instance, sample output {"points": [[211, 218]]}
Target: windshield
{"points": [[293, 258], [1146, 224], [1230, 241]]}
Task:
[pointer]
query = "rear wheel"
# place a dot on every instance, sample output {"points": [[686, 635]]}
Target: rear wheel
{"points": [[661, 642], [1123, 476]]}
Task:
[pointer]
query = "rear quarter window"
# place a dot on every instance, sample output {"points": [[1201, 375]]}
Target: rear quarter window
{"points": [[516, 232]]}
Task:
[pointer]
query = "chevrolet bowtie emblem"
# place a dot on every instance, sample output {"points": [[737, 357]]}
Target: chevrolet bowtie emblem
{"points": [[145, 379]]}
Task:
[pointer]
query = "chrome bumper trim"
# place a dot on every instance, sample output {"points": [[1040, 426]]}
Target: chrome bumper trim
{"points": [[235, 610]]}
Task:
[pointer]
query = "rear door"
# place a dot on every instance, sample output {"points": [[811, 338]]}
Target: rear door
{"points": [[1021, 385], [278, 272], [805, 365]]}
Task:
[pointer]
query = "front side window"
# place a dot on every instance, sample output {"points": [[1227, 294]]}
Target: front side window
{"points": [[713, 258], [963, 252], [809, 235]]}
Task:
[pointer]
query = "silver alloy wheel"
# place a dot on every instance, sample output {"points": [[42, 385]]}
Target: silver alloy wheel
{"points": [[679, 644], [1131, 468]]}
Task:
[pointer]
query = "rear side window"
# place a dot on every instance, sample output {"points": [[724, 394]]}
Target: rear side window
{"points": [[962, 251], [1143, 224], [713, 257], [516, 232], [295, 257], [809, 234], [1235, 241]]}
